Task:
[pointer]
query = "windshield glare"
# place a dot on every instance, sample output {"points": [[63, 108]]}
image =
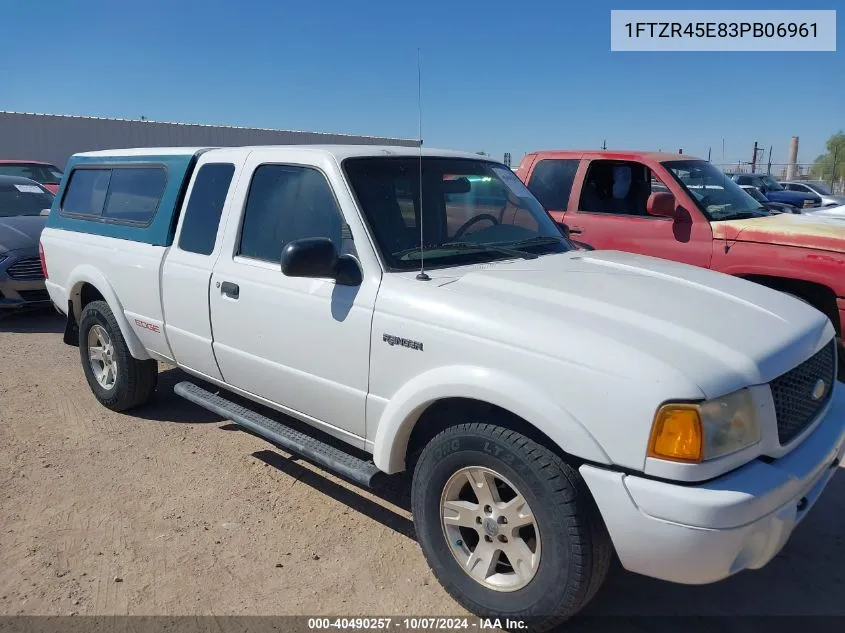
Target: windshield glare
{"points": [[473, 211], [22, 199], [718, 197]]}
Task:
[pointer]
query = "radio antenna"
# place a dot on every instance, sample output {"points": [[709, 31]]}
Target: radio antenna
{"points": [[421, 276]]}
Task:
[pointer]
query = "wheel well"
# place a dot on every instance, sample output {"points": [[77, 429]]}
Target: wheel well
{"points": [[449, 412], [819, 296], [87, 294]]}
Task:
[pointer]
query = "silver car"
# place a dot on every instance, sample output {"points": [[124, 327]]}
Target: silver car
{"points": [[24, 205], [818, 187]]}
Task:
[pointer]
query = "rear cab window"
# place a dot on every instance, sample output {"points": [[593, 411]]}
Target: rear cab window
{"points": [[205, 206], [551, 182]]}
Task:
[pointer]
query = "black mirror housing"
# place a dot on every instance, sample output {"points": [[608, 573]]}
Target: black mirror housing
{"points": [[317, 257], [310, 257]]}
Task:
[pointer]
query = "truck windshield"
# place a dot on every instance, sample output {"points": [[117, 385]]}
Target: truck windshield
{"points": [[473, 211], [23, 199], [716, 195], [754, 192], [771, 183]]}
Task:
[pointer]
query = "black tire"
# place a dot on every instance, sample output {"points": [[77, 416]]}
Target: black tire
{"points": [[576, 548], [136, 379]]}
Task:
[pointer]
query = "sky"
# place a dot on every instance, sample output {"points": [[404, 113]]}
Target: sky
{"points": [[496, 76]]}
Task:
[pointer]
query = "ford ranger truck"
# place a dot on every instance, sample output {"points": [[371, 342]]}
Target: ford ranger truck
{"points": [[554, 404], [682, 208]]}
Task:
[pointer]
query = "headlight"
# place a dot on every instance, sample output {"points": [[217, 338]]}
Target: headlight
{"points": [[693, 433]]}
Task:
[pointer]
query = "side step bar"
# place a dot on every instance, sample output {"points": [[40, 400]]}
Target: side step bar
{"points": [[334, 459]]}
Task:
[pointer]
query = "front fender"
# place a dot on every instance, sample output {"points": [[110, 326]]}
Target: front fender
{"points": [[495, 387], [85, 273]]}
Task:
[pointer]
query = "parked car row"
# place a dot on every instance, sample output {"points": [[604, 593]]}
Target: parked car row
{"points": [[23, 205], [46, 174], [817, 187], [554, 404]]}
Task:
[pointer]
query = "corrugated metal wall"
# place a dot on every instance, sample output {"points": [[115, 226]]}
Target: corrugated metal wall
{"points": [[54, 138]]}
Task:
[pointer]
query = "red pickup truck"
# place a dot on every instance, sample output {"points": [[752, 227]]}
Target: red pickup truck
{"points": [[682, 208]]}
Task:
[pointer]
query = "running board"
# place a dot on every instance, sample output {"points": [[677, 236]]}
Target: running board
{"points": [[334, 459]]}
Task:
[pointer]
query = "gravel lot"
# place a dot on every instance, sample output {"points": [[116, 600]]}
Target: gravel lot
{"points": [[174, 511]]}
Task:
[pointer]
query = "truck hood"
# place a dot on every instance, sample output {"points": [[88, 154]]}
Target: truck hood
{"points": [[720, 332], [20, 231], [808, 230]]}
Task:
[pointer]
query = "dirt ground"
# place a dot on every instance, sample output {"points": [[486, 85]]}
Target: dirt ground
{"points": [[174, 511]]}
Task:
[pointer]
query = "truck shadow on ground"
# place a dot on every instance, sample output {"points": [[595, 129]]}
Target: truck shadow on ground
{"points": [[32, 321], [166, 406]]}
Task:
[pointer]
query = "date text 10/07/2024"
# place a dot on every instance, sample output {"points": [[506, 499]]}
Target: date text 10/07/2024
{"points": [[416, 624], [721, 29]]}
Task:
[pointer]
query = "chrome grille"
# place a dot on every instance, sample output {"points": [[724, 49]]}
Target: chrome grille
{"points": [[793, 392], [26, 269]]}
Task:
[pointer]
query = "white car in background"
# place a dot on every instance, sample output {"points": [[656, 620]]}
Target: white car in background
{"points": [[818, 187], [829, 212]]}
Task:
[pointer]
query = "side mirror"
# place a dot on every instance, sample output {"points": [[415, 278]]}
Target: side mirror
{"points": [[661, 204], [317, 257], [564, 228]]}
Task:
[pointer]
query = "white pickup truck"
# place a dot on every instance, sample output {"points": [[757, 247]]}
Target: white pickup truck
{"points": [[556, 404]]}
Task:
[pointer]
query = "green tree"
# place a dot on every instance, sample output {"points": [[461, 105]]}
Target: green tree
{"points": [[823, 167]]}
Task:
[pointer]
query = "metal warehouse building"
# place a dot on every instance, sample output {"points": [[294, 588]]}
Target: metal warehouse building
{"points": [[53, 138]]}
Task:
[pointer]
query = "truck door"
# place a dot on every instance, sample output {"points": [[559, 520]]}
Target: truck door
{"points": [[610, 213], [186, 274], [302, 344]]}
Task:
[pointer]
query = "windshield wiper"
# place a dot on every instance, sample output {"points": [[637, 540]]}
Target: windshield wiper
{"points": [[743, 215], [537, 240], [484, 248]]}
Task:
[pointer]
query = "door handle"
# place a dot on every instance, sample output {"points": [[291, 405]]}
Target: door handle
{"points": [[231, 290], [575, 230]]}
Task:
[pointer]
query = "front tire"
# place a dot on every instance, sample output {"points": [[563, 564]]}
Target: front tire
{"points": [[508, 527], [117, 379]]}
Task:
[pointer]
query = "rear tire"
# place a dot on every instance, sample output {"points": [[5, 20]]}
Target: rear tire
{"points": [[117, 379], [571, 547]]}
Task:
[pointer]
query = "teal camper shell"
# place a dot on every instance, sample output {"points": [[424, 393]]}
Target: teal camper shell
{"points": [[129, 196]]}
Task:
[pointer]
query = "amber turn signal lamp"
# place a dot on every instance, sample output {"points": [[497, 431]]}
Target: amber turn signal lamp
{"points": [[676, 434]]}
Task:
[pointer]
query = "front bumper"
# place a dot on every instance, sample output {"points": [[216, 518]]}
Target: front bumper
{"points": [[24, 287], [703, 533]]}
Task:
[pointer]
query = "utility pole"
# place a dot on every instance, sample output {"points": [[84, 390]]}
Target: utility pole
{"points": [[754, 158], [769, 166], [708, 153], [604, 144]]}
